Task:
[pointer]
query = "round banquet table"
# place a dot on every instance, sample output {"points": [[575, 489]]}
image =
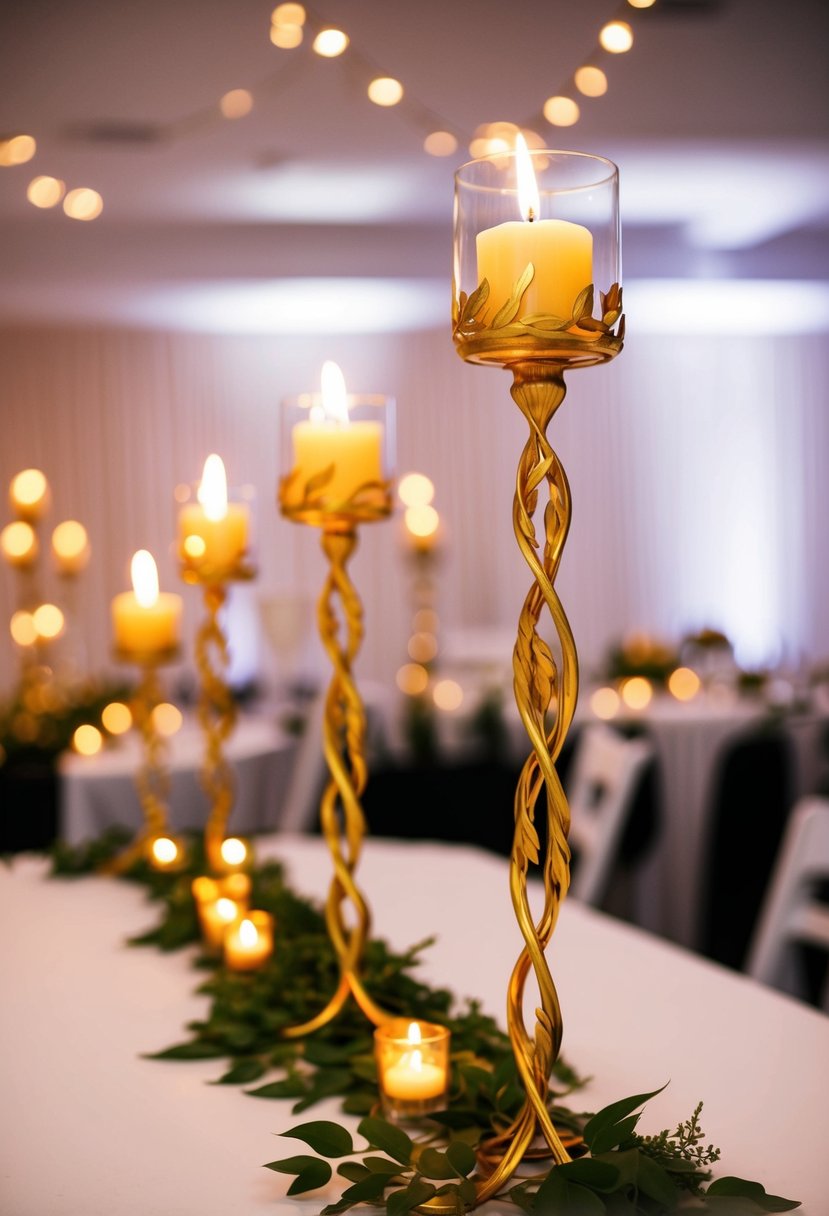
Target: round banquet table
{"points": [[89, 1128], [96, 792]]}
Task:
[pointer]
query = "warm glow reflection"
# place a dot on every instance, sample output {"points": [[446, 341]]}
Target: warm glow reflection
{"points": [[426, 620], [286, 37], [412, 679], [17, 150], [48, 621], [684, 684], [234, 851], [83, 204], [288, 14], [167, 719], [29, 493], [528, 200], [165, 850], [422, 647], [604, 703], [561, 111], [144, 574], [616, 37], [422, 521], [22, 628], [637, 692], [212, 491], [440, 143], [447, 695], [45, 191], [18, 542], [416, 490], [194, 546], [87, 740], [70, 546], [591, 81], [330, 43], [236, 104], [385, 91], [116, 718]]}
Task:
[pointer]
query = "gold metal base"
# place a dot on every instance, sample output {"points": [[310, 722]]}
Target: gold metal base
{"points": [[217, 717]]}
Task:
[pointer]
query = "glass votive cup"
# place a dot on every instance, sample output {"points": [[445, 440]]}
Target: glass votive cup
{"points": [[412, 1067], [248, 943], [220, 903]]}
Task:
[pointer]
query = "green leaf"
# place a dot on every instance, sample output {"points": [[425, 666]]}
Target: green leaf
{"points": [[401, 1202], [381, 1165], [288, 1087], [324, 1084], [242, 1073], [353, 1171], [656, 1183], [433, 1164], [310, 1172], [557, 1194], [197, 1049], [388, 1138], [743, 1189], [606, 1118], [462, 1157], [616, 1133], [599, 1175], [369, 1188], [324, 1137]]}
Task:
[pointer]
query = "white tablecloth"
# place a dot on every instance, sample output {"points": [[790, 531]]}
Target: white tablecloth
{"points": [[98, 791], [90, 1129]]}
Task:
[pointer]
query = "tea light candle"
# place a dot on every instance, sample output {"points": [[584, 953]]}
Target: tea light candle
{"points": [[220, 905], [330, 438], [561, 253], [166, 853], [412, 1065], [213, 533], [249, 942], [146, 622]]}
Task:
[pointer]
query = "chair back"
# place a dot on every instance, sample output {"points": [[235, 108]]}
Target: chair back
{"points": [[606, 771], [792, 914]]}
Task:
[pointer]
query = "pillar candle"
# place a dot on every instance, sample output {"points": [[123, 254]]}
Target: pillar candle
{"points": [[213, 533], [330, 438], [146, 621]]}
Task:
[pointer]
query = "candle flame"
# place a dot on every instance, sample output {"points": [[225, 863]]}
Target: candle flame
{"points": [[416, 1061], [529, 202], [234, 851], [334, 397], [165, 850], [212, 492], [248, 935], [144, 578], [226, 909], [414, 1034]]}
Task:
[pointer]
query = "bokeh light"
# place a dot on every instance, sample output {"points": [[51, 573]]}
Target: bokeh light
{"points": [[330, 42], [447, 695], [385, 91], [412, 679], [45, 191], [167, 719], [286, 37], [234, 851], [604, 703], [83, 204], [288, 14], [87, 740], [116, 718], [426, 620], [22, 628], [422, 647], [17, 149], [684, 684], [236, 104], [440, 143], [591, 81], [637, 692], [48, 621], [561, 111], [227, 910], [422, 521], [416, 490], [616, 37], [164, 850], [18, 542], [70, 546], [29, 493]]}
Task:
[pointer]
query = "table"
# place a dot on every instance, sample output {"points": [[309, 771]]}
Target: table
{"points": [[88, 1128], [99, 791]]}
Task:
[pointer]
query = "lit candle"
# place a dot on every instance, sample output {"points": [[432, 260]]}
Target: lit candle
{"points": [[249, 943], [146, 622], [329, 439], [561, 253], [220, 904], [213, 533], [18, 542], [413, 1065], [29, 494]]}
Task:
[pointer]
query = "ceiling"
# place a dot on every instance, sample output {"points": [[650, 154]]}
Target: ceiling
{"points": [[321, 210]]}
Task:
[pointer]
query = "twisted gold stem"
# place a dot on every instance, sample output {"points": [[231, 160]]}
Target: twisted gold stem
{"points": [[539, 681], [217, 716], [152, 780], [341, 814]]}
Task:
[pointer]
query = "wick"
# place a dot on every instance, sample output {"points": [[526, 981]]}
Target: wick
{"points": [[530, 215]]}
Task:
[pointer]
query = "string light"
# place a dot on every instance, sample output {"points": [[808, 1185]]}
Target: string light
{"points": [[83, 204], [561, 111], [591, 81], [45, 191], [385, 91], [330, 43], [616, 37]]}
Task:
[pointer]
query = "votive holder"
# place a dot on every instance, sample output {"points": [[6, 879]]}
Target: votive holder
{"points": [[248, 942], [220, 903], [412, 1067]]}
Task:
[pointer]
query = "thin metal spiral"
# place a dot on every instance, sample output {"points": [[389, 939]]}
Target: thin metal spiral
{"points": [[217, 716], [341, 814]]}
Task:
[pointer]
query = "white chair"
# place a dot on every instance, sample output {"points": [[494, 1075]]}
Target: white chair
{"points": [[601, 788], [791, 913]]}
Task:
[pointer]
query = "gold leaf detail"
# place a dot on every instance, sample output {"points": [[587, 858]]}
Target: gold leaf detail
{"points": [[509, 311]]}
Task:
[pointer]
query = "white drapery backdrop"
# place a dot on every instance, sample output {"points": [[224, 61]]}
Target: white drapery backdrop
{"points": [[696, 464]]}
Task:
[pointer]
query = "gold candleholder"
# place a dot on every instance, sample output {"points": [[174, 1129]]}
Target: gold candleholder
{"points": [[529, 324], [326, 489], [152, 780], [214, 550]]}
